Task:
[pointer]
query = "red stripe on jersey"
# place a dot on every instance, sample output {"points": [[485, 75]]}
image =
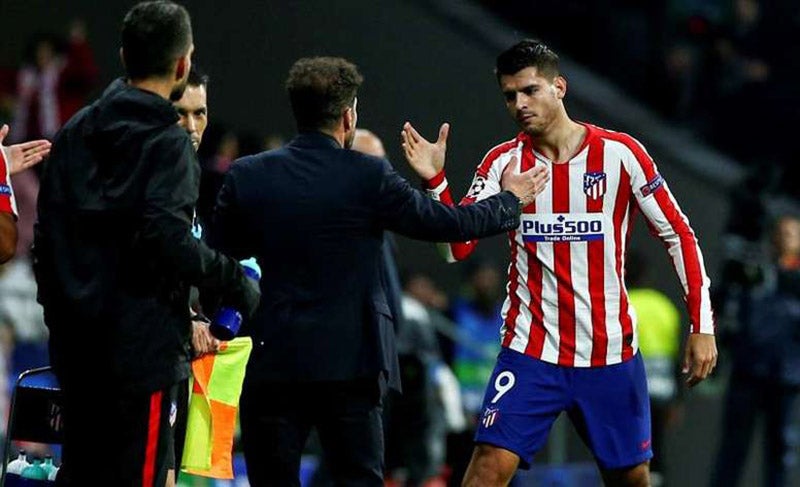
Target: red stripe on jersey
{"points": [[513, 272], [153, 424], [5, 181], [513, 296], [596, 256], [563, 271], [536, 332], [620, 211]]}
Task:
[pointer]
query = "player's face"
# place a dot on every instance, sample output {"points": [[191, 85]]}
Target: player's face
{"points": [[532, 100], [193, 111]]}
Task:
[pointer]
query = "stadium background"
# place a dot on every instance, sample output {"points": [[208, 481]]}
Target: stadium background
{"points": [[429, 62]]}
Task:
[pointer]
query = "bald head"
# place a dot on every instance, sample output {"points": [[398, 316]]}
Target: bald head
{"points": [[368, 143]]}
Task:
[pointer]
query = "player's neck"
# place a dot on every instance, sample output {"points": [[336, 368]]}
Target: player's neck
{"points": [[162, 88], [561, 141]]}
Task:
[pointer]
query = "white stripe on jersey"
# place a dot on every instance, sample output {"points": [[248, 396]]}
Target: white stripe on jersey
{"points": [[579, 260], [611, 284]]}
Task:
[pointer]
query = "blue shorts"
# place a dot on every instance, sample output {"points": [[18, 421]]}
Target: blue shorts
{"points": [[608, 406]]}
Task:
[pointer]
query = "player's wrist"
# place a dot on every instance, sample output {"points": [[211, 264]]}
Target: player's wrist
{"points": [[436, 180]]}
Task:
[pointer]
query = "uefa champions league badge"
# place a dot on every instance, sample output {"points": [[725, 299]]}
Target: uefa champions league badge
{"points": [[173, 413], [490, 416]]}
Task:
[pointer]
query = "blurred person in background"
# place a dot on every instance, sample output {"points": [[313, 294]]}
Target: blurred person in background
{"points": [[659, 325], [473, 351], [216, 155], [569, 339], [764, 343], [53, 83]]}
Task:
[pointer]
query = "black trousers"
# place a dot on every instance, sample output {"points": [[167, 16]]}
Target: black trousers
{"points": [[748, 399], [122, 439], [276, 419]]}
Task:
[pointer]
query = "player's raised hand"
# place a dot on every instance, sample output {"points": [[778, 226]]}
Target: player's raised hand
{"points": [[24, 155], [424, 157], [525, 185], [700, 357]]}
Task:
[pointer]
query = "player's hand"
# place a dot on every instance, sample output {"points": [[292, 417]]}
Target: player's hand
{"points": [[202, 340], [424, 157], [700, 357], [526, 185], [24, 155]]}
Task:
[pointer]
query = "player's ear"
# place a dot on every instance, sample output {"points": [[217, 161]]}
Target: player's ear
{"points": [[559, 87]]}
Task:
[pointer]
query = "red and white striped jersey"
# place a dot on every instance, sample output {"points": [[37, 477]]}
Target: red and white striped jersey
{"points": [[7, 202], [566, 299]]}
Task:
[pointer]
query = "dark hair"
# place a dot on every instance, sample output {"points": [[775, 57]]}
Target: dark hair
{"points": [[154, 35], [320, 88], [197, 77], [526, 54]]}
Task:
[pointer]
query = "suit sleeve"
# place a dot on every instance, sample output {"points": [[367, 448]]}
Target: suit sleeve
{"points": [[227, 229], [170, 196], [671, 226], [409, 212]]}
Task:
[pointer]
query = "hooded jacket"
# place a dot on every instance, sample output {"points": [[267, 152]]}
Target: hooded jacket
{"points": [[114, 255]]}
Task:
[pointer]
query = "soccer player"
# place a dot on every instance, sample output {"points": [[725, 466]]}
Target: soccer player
{"points": [[569, 334], [14, 159]]}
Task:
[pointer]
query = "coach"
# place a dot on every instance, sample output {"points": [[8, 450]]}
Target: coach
{"points": [[313, 214]]}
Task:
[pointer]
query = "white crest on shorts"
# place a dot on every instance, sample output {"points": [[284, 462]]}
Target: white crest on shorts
{"points": [[173, 413]]}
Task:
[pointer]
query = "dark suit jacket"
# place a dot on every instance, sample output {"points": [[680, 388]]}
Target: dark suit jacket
{"points": [[314, 214]]}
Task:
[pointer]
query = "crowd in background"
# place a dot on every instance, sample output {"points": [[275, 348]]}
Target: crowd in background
{"points": [[720, 68]]}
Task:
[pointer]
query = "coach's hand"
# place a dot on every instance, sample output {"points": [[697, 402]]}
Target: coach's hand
{"points": [[526, 185], [424, 157], [700, 357]]}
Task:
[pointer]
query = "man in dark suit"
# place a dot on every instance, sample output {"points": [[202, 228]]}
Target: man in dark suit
{"points": [[314, 214]]}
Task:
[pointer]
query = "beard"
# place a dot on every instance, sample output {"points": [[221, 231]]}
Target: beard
{"points": [[177, 90]]}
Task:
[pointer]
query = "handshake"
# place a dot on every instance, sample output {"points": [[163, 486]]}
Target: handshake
{"points": [[427, 160]]}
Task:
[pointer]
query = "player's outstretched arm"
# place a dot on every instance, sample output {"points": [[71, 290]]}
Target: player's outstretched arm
{"points": [[491, 177], [425, 158], [25, 155]]}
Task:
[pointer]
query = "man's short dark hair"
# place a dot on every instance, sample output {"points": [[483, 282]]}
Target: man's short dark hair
{"points": [[320, 89], [528, 53], [154, 35], [197, 77]]}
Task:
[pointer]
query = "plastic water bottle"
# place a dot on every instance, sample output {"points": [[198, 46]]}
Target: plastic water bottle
{"points": [[47, 465], [227, 321], [16, 466], [53, 474], [35, 471]]}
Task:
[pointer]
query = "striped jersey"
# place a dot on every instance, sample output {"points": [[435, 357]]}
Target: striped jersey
{"points": [[566, 299], [7, 202]]}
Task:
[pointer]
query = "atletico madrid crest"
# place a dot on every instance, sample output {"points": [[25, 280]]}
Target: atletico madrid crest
{"points": [[594, 184], [490, 416]]}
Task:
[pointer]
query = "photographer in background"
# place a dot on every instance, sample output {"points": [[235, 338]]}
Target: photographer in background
{"points": [[765, 354]]}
